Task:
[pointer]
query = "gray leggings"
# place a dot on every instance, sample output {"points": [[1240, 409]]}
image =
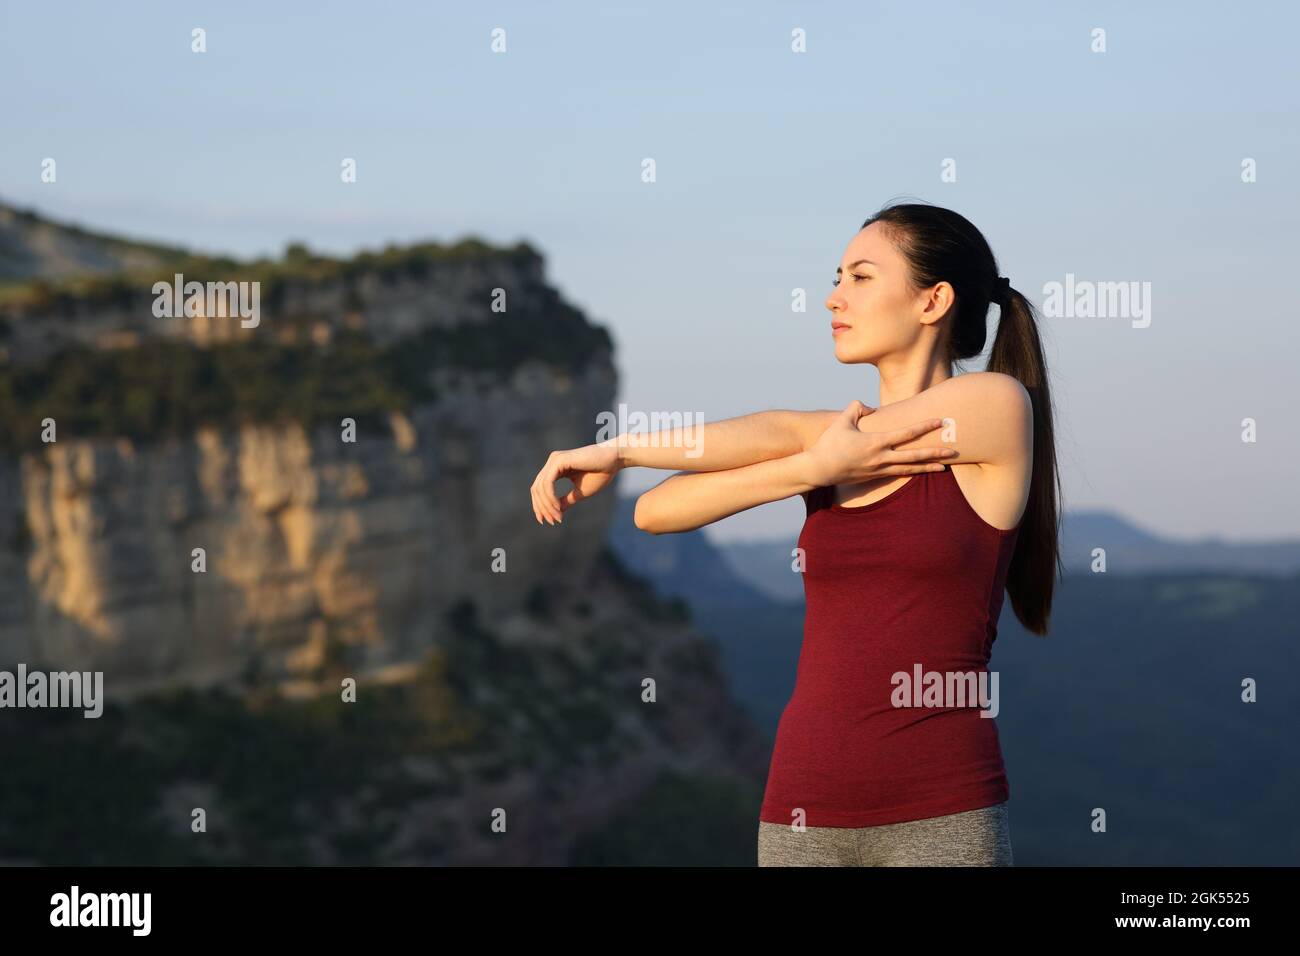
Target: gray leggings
{"points": [[971, 838]]}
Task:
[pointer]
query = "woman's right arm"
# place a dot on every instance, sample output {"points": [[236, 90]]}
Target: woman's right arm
{"points": [[716, 446], [684, 502], [723, 445]]}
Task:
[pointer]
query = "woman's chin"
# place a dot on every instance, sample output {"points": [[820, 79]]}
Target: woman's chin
{"points": [[850, 356]]}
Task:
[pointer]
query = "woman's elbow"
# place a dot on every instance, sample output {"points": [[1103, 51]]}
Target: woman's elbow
{"points": [[643, 516]]}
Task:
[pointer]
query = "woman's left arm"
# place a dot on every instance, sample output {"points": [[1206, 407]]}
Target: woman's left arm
{"points": [[988, 418]]}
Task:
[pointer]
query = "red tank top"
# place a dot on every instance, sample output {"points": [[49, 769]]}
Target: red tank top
{"points": [[914, 579]]}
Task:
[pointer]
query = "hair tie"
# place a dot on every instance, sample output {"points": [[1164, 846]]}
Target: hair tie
{"points": [[1001, 288]]}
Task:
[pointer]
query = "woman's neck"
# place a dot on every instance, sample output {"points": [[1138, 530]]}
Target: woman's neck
{"points": [[897, 384]]}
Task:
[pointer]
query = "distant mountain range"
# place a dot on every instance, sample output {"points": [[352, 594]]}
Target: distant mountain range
{"points": [[704, 574]]}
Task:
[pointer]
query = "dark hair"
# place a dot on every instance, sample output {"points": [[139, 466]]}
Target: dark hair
{"points": [[942, 246]]}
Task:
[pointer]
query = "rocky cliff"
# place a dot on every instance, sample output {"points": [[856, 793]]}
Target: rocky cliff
{"points": [[355, 471], [316, 539]]}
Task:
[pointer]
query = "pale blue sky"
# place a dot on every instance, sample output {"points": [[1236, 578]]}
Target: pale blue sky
{"points": [[1117, 166]]}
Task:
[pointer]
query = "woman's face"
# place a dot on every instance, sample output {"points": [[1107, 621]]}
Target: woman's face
{"points": [[873, 297]]}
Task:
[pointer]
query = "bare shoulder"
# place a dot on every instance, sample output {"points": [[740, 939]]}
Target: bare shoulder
{"points": [[988, 418], [1006, 392], [997, 487]]}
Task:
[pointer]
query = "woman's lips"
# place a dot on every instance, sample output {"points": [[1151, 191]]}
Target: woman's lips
{"points": [[838, 327]]}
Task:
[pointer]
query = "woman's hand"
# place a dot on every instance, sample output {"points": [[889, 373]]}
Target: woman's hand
{"points": [[846, 455], [590, 468]]}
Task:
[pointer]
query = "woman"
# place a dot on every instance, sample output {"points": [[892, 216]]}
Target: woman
{"points": [[918, 514]]}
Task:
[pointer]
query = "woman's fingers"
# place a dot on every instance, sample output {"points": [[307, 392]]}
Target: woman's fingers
{"points": [[919, 454], [538, 511], [549, 499], [907, 433], [558, 467], [911, 469], [537, 504], [545, 504]]}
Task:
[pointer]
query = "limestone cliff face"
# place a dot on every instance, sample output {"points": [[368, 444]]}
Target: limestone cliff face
{"points": [[313, 545], [317, 550]]}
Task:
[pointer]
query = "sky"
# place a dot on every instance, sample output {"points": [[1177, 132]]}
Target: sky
{"points": [[1115, 165]]}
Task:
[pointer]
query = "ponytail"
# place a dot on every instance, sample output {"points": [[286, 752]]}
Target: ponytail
{"points": [[1031, 579]]}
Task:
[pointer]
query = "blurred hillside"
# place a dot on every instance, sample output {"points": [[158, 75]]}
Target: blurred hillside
{"points": [[32, 247]]}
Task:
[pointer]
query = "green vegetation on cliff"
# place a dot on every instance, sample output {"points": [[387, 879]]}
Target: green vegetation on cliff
{"points": [[167, 388], [298, 266]]}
